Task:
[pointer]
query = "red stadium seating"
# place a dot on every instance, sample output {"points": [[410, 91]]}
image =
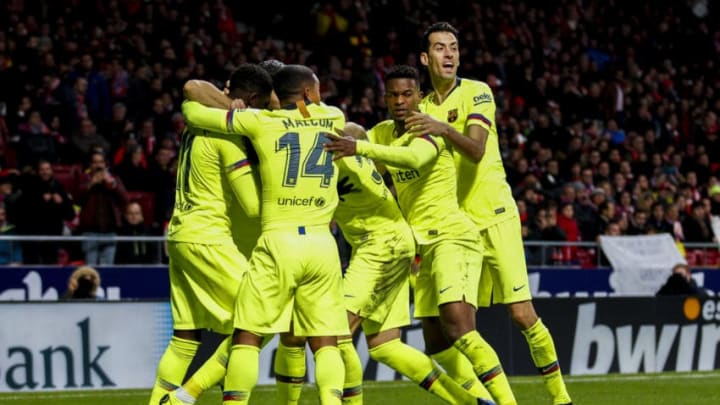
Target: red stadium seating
{"points": [[69, 176]]}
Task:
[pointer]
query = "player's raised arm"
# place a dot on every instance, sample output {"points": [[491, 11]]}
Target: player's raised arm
{"points": [[207, 94]]}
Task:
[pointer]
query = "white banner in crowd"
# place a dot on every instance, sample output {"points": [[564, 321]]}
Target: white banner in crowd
{"points": [[641, 264]]}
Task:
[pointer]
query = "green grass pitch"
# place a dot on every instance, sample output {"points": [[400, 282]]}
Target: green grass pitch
{"points": [[697, 388]]}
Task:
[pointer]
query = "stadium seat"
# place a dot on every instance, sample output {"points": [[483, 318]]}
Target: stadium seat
{"points": [[147, 203], [68, 175]]}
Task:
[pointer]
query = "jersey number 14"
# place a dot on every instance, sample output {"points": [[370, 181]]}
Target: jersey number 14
{"points": [[316, 163]]}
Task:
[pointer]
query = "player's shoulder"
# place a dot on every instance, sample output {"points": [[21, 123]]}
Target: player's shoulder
{"points": [[329, 110], [387, 126], [480, 92]]}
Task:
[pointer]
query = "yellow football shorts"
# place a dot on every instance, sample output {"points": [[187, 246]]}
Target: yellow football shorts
{"points": [[204, 280], [449, 272], [376, 281], [294, 277], [504, 276]]}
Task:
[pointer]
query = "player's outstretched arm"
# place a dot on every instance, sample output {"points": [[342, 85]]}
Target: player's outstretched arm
{"points": [[472, 145], [206, 94], [411, 156], [211, 119]]}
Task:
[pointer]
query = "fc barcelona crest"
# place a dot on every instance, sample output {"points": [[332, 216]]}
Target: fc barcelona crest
{"points": [[452, 115]]}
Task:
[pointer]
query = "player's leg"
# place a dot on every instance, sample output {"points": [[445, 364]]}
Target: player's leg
{"points": [[174, 363], [263, 306], [209, 374], [452, 292], [505, 261], [352, 386], [319, 309], [210, 276], [387, 348], [243, 368], [289, 367], [374, 280], [455, 364], [457, 320], [185, 341]]}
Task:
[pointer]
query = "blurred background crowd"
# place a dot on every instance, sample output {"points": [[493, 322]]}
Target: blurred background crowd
{"points": [[607, 113]]}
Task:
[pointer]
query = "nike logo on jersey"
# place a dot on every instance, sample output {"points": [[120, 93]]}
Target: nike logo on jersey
{"points": [[442, 290], [516, 289]]}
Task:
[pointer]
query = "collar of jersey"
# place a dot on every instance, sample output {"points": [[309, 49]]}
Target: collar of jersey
{"points": [[294, 106], [458, 80]]}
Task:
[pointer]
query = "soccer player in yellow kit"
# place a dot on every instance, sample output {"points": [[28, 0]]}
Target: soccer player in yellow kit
{"points": [[462, 111], [205, 265], [376, 285], [423, 173], [295, 269]]}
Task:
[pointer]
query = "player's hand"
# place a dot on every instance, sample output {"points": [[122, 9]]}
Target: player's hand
{"points": [[419, 124], [345, 187], [340, 145], [237, 104]]}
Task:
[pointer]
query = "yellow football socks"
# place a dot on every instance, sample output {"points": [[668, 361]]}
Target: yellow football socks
{"points": [[289, 369], [542, 350], [242, 374], [173, 366], [487, 366], [210, 373], [420, 369], [329, 375], [352, 388], [459, 368]]}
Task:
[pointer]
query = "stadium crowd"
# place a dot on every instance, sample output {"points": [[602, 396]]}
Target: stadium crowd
{"points": [[607, 115]]}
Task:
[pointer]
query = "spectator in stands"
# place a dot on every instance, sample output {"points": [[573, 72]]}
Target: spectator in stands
{"points": [[624, 207], [136, 252], [101, 201], [8, 193], [162, 178], [566, 221], [658, 222], [696, 227], [544, 228], [43, 207], [87, 141], [119, 127], [681, 282], [83, 283], [606, 211], [672, 215], [10, 252], [638, 223], [97, 92], [35, 142], [133, 169]]}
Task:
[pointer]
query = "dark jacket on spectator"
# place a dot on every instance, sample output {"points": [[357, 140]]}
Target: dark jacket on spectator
{"points": [[101, 206]]}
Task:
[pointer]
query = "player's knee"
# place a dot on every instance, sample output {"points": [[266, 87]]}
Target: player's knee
{"points": [[523, 314], [435, 340], [290, 340]]}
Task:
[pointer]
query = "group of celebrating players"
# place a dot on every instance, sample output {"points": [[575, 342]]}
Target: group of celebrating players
{"points": [[298, 165]]}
